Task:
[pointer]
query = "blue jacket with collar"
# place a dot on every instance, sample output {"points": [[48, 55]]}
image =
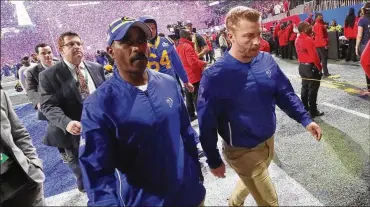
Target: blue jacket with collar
{"points": [[238, 100], [138, 148]]}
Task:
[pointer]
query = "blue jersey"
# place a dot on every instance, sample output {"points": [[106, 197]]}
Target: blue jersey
{"points": [[163, 58]]}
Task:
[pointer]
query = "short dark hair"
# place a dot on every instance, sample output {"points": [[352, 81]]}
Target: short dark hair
{"points": [[25, 58], [318, 14], [302, 26], [66, 34], [184, 33], [40, 45]]}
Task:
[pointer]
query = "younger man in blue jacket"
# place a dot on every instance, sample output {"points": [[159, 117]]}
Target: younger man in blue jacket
{"points": [[237, 98], [138, 147]]}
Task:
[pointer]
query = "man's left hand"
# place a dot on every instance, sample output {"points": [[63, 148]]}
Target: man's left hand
{"points": [[189, 87], [315, 130]]}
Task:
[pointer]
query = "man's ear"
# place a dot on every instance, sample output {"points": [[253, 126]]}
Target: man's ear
{"points": [[231, 36], [110, 52]]}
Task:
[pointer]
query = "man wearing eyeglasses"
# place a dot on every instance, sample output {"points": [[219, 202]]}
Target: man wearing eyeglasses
{"points": [[62, 90]]}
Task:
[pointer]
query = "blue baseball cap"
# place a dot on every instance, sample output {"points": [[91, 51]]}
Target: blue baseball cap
{"points": [[119, 28]]}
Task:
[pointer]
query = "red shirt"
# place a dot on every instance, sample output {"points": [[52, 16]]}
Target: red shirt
{"points": [[283, 40], [365, 59], [189, 58], [276, 30], [306, 50], [289, 33], [286, 6], [351, 32], [264, 45], [293, 36], [321, 34]]}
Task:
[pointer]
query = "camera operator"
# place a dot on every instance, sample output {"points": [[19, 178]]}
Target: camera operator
{"points": [[200, 44]]}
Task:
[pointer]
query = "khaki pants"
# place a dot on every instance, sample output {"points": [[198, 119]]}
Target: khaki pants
{"points": [[251, 166]]}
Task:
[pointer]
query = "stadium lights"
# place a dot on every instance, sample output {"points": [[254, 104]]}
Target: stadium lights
{"points": [[213, 3], [22, 14], [85, 3]]}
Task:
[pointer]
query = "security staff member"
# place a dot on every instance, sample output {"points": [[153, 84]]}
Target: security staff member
{"points": [[309, 68], [321, 42]]}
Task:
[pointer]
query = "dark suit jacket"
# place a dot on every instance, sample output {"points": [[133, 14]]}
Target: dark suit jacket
{"points": [[32, 81], [61, 101]]}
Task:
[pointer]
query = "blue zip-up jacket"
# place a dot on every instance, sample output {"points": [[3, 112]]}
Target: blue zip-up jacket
{"points": [[238, 100], [138, 148]]}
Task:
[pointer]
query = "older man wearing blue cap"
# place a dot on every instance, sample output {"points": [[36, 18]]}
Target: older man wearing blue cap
{"points": [[137, 146]]}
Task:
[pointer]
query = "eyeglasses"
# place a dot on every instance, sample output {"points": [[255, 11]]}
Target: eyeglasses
{"points": [[72, 44]]}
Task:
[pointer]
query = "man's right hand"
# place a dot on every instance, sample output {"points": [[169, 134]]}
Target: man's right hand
{"points": [[74, 127], [220, 171]]}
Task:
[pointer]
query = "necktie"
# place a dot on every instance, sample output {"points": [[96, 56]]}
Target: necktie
{"points": [[82, 86]]}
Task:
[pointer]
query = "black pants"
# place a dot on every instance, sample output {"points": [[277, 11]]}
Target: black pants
{"points": [[71, 158], [284, 51], [191, 100], [210, 56], [309, 87], [323, 55], [291, 50], [351, 53], [277, 46]]}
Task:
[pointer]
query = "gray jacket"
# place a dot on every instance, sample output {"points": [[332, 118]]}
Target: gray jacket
{"points": [[16, 137]]}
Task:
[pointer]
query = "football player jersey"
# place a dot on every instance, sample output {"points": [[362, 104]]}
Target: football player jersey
{"points": [[163, 58]]}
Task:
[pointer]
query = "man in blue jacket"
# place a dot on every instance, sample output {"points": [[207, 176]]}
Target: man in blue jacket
{"points": [[237, 98], [138, 147]]}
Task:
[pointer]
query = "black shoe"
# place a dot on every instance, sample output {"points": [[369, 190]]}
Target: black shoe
{"points": [[326, 75], [192, 118], [316, 113]]}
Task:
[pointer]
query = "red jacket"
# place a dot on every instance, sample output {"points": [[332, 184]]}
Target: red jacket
{"points": [[276, 30], [209, 43], [264, 45], [306, 50], [350, 32], [286, 6], [291, 36], [189, 58], [365, 59], [283, 40], [321, 34]]}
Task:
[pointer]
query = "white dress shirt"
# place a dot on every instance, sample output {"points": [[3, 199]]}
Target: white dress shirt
{"points": [[84, 71], [23, 74]]}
